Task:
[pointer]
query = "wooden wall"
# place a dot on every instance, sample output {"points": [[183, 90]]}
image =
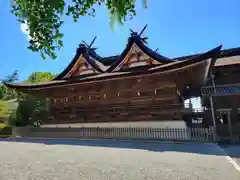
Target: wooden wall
{"points": [[149, 96], [134, 100]]}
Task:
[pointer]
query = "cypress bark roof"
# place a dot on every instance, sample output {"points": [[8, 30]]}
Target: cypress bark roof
{"points": [[89, 56], [135, 39], [226, 57], [173, 66]]}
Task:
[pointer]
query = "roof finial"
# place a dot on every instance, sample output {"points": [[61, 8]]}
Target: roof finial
{"points": [[94, 39], [143, 30], [89, 46], [138, 36], [133, 33], [84, 42]]}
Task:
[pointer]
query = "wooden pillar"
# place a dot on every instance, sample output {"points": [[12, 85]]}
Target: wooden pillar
{"points": [[230, 125], [190, 103], [214, 119], [234, 107], [213, 112]]}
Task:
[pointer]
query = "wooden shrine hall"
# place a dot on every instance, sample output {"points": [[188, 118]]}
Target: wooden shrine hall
{"points": [[139, 84]]}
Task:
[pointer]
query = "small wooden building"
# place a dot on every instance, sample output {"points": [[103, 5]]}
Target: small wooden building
{"points": [[225, 80]]}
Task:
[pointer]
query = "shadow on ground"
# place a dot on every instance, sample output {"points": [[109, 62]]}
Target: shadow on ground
{"points": [[232, 150], [188, 147]]}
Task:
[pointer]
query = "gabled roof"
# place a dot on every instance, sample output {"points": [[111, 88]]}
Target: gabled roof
{"points": [[208, 57], [137, 40], [213, 53], [226, 57], [107, 64], [89, 55]]}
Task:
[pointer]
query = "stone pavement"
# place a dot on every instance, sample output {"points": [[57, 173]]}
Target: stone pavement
{"points": [[108, 159]]}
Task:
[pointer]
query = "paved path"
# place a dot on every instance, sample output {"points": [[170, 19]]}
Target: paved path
{"points": [[83, 160]]}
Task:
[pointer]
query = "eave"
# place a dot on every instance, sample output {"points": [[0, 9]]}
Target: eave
{"points": [[226, 57], [170, 67], [195, 59]]}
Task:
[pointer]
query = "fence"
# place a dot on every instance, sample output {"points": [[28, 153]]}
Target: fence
{"points": [[131, 133]]}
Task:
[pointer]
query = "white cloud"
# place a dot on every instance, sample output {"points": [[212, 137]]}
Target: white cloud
{"points": [[24, 29]]}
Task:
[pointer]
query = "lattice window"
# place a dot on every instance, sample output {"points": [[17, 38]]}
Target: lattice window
{"points": [[64, 100], [98, 97], [80, 98]]}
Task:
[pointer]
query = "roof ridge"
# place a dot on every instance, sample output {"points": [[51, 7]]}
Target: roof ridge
{"points": [[224, 53]]}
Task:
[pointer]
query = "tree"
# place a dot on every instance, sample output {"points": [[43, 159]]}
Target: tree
{"points": [[28, 105], [37, 77], [6, 93], [12, 77], [44, 18]]}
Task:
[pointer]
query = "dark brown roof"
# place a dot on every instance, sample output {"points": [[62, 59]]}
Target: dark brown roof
{"points": [[87, 54], [224, 53], [136, 39], [92, 57], [108, 75], [226, 57]]}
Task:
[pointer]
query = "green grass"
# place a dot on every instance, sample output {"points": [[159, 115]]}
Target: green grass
{"points": [[4, 125], [5, 109]]}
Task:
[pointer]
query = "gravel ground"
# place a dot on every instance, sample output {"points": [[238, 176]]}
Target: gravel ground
{"points": [[81, 160]]}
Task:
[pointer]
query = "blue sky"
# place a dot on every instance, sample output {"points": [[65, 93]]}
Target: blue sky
{"points": [[176, 27]]}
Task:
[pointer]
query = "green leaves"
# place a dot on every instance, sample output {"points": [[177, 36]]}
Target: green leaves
{"points": [[37, 77], [44, 18], [28, 105]]}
